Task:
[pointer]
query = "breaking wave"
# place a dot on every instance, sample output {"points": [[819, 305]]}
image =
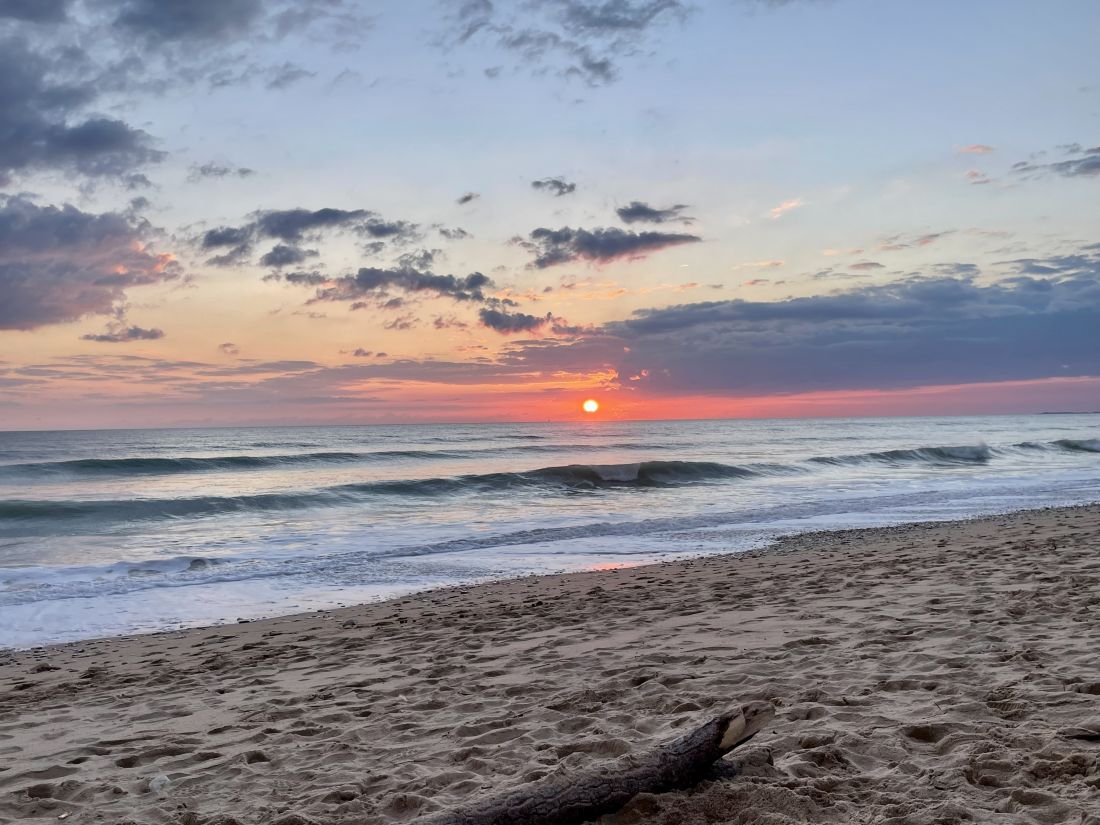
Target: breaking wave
{"points": [[555, 480], [573, 477], [938, 456]]}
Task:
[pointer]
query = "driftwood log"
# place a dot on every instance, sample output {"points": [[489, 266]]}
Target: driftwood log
{"points": [[568, 798]]}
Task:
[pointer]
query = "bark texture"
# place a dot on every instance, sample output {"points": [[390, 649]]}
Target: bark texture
{"points": [[568, 798]]}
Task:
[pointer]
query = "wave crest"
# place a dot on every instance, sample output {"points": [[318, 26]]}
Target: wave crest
{"points": [[570, 477], [939, 456]]}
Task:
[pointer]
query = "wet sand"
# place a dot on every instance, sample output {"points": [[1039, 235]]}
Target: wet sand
{"points": [[925, 674]]}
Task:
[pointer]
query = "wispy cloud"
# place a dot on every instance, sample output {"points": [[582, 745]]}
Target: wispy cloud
{"points": [[779, 211]]}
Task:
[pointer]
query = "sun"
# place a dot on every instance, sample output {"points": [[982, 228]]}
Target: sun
{"points": [[590, 406]]}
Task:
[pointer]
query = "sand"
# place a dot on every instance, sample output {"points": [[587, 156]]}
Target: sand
{"points": [[921, 674]]}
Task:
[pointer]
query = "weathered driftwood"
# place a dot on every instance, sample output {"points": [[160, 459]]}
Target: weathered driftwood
{"points": [[567, 798]]}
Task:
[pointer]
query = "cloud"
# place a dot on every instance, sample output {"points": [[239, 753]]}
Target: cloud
{"points": [[374, 283], [300, 278], [123, 334], [558, 246], [43, 99], [448, 322], [785, 207], [508, 323], [217, 171], [286, 75], [583, 39], [1077, 162], [640, 212], [555, 186], [895, 243], [864, 266], [160, 21], [229, 348], [921, 330], [465, 199], [1082, 163], [59, 72], [976, 149], [773, 263], [34, 11], [294, 226], [60, 264], [284, 255]]}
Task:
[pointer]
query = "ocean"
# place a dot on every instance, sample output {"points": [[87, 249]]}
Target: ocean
{"points": [[122, 531]]}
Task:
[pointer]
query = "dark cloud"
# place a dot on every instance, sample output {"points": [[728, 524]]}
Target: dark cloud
{"points": [[180, 20], [226, 236], [557, 246], [59, 264], [1076, 161], [303, 278], [217, 171], [229, 348], [34, 11], [864, 266], [237, 239], [555, 186], [375, 284], [508, 323], [640, 212], [283, 255], [465, 199], [294, 226], [43, 99], [122, 334], [402, 230], [1081, 163], [59, 72], [913, 332]]}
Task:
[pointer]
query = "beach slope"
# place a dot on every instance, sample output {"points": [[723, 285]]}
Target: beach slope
{"points": [[921, 674]]}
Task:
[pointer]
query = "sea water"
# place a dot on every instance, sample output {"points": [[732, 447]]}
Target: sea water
{"points": [[120, 531]]}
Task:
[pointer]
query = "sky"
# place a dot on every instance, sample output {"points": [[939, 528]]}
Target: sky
{"points": [[223, 212]]}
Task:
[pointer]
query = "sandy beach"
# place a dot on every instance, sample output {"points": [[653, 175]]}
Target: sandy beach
{"points": [[921, 674]]}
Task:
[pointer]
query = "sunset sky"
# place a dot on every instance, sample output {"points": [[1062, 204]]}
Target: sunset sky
{"points": [[298, 211]]}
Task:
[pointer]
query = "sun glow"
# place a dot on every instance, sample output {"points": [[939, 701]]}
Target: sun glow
{"points": [[590, 406]]}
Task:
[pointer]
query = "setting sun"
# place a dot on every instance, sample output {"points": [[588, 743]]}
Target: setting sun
{"points": [[590, 406]]}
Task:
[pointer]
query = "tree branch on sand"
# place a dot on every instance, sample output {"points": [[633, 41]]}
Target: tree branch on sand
{"points": [[571, 798]]}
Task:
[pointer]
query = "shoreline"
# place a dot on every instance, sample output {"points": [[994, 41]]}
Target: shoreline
{"points": [[928, 672], [780, 545]]}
